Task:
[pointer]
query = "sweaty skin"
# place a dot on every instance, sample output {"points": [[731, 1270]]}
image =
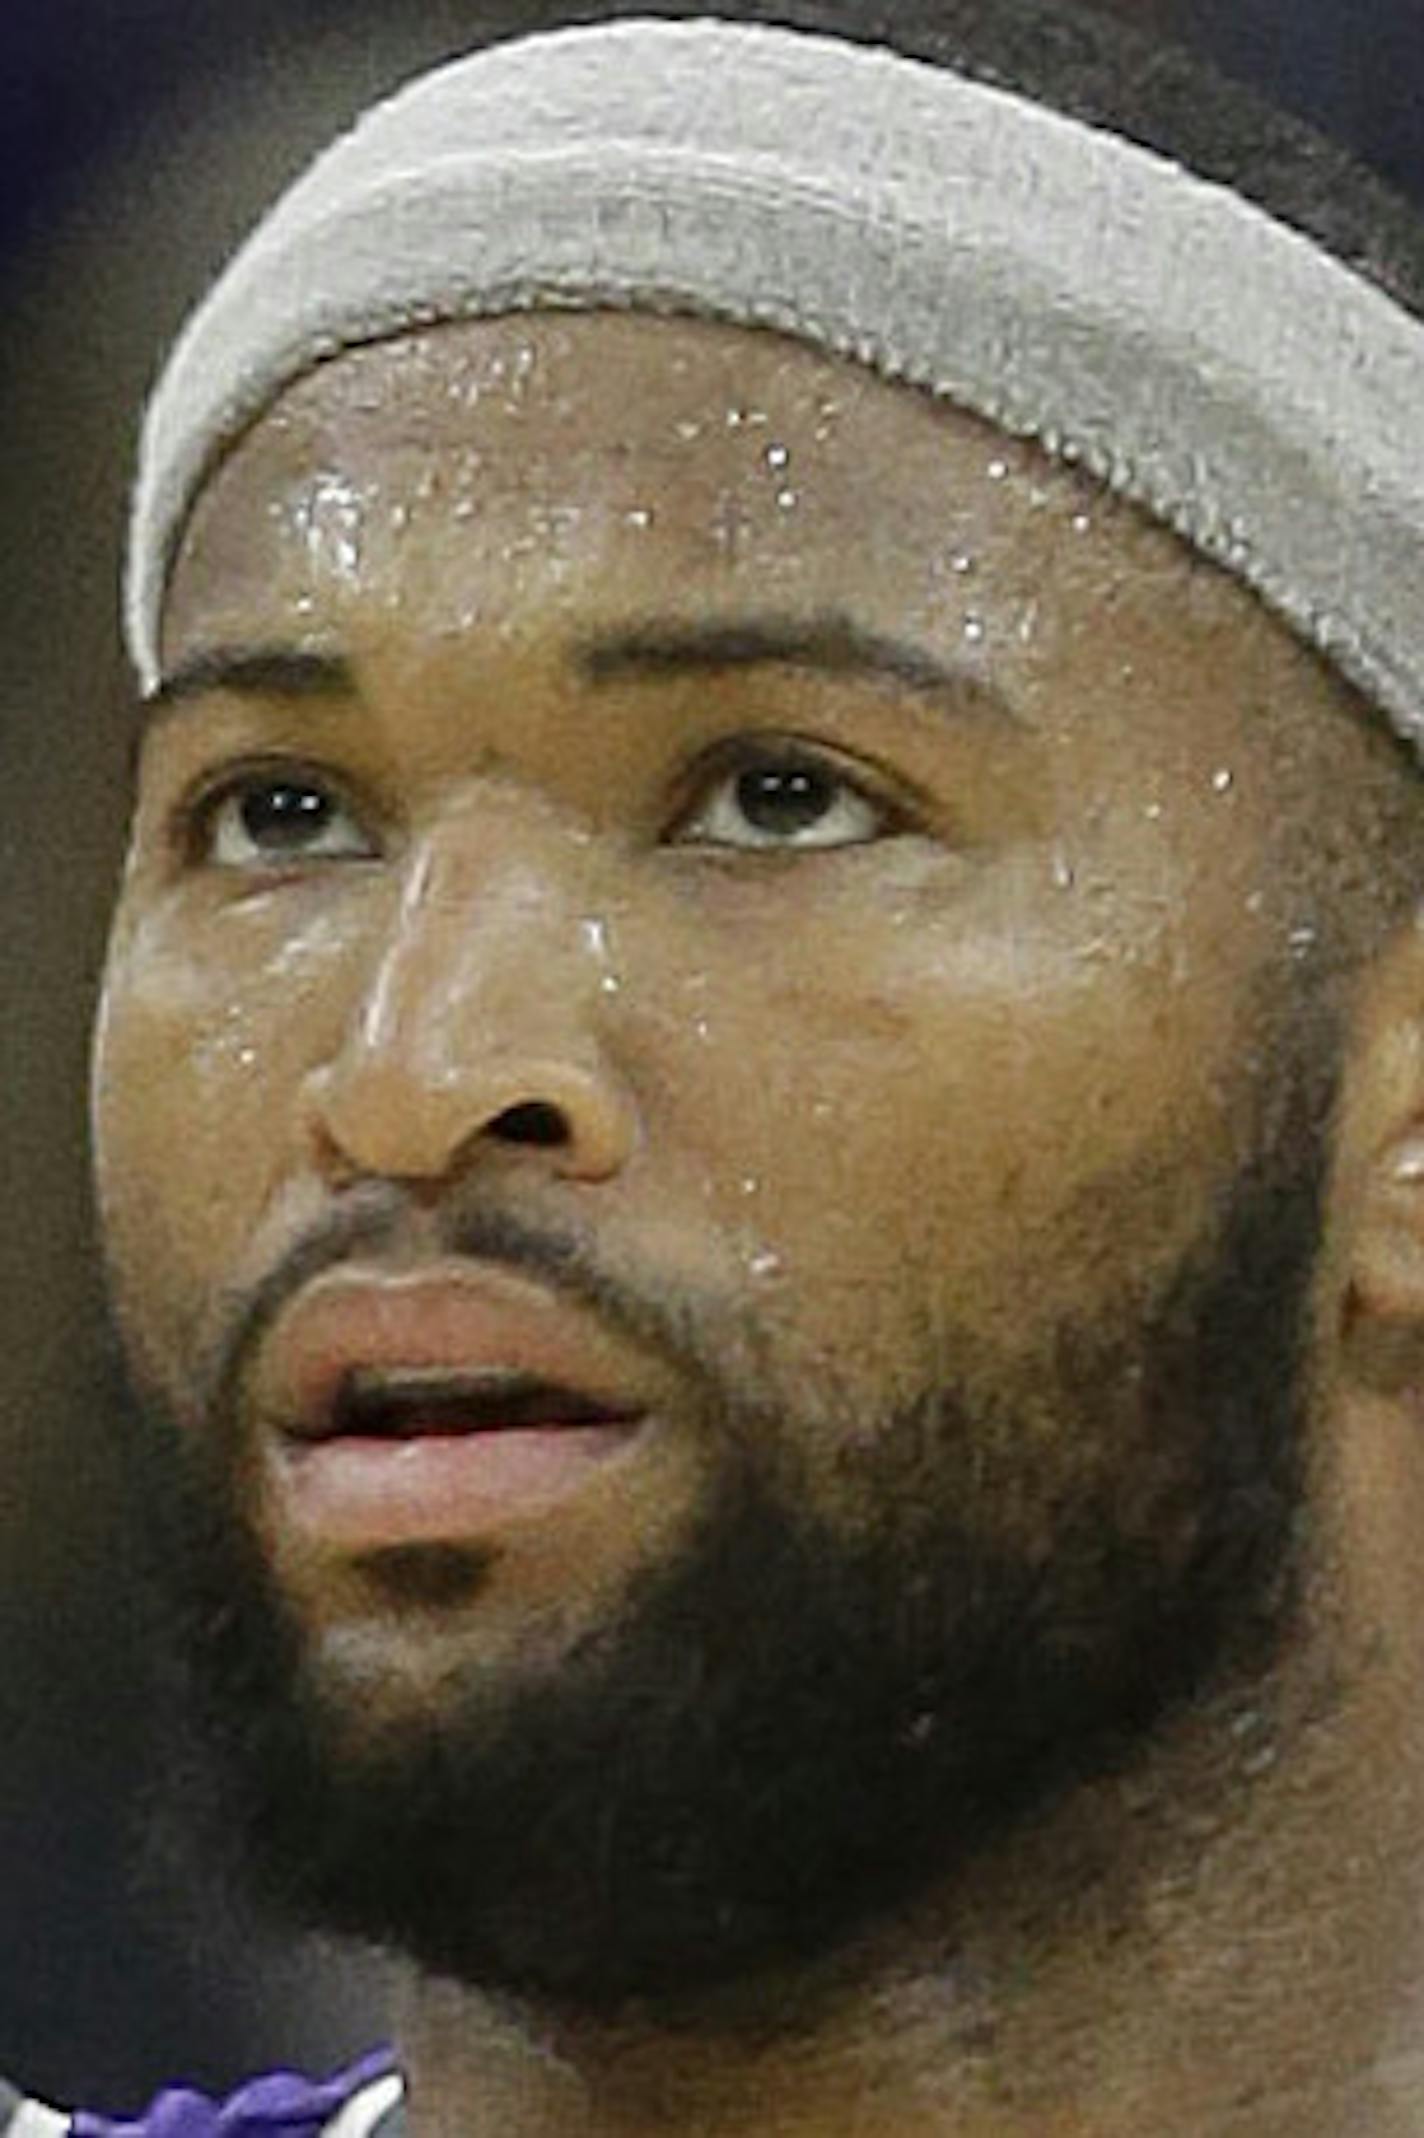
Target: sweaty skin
{"points": [[975, 1045]]}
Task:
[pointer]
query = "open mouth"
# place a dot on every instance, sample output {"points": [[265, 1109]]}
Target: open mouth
{"points": [[437, 1405], [378, 1404], [426, 1455]]}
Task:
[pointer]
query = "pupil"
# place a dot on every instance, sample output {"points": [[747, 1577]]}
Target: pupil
{"points": [[787, 798], [283, 815]]}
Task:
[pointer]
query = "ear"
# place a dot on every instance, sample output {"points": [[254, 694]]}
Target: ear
{"points": [[1377, 1228]]}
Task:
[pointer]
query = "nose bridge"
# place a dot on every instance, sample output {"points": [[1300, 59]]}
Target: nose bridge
{"points": [[480, 1015], [486, 929]]}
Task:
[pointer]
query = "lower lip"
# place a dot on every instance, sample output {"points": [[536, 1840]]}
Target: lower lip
{"points": [[438, 1487]]}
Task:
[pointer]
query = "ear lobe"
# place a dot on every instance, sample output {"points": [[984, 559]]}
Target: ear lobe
{"points": [[1379, 1177]]}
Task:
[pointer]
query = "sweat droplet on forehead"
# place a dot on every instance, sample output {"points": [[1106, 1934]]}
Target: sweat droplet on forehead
{"points": [[326, 520]]}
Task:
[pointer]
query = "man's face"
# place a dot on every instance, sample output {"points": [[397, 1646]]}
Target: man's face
{"points": [[686, 876]]}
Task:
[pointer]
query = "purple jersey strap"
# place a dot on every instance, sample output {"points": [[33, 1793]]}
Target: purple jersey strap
{"points": [[280, 2105]]}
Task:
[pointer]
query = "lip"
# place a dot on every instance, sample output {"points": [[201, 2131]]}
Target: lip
{"points": [[435, 1404]]}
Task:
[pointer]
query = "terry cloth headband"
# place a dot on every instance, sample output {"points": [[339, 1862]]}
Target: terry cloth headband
{"points": [[1198, 357]]}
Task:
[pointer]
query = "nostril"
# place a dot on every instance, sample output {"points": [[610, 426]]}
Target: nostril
{"points": [[532, 1122]]}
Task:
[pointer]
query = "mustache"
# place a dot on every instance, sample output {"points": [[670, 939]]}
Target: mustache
{"points": [[386, 1224]]}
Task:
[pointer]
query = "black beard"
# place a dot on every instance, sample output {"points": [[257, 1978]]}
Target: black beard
{"points": [[804, 1721]]}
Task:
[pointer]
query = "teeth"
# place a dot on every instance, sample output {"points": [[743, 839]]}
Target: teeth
{"points": [[395, 1406]]}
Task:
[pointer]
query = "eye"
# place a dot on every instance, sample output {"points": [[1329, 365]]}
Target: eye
{"points": [[777, 797], [267, 818]]}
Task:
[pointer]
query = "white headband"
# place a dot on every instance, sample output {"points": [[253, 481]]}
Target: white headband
{"points": [[1200, 358]]}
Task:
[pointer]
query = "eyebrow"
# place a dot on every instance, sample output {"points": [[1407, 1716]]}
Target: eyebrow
{"points": [[828, 644], [831, 643], [255, 671]]}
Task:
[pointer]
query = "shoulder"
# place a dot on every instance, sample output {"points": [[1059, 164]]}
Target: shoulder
{"points": [[363, 2101]]}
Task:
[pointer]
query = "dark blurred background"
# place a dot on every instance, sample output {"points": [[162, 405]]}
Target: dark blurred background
{"points": [[138, 138]]}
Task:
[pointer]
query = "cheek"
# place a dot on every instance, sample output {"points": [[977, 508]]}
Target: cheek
{"points": [[962, 1103], [204, 1041]]}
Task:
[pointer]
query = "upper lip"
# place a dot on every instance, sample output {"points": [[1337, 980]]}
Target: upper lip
{"points": [[380, 1352]]}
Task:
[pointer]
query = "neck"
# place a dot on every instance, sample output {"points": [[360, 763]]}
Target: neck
{"points": [[1222, 1934]]}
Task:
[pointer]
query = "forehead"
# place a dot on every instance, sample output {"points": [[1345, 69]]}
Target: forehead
{"points": [[652, 448], [543, 397]]}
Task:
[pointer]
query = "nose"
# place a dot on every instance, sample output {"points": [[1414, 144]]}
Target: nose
{"points": [[477, 1029]]}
